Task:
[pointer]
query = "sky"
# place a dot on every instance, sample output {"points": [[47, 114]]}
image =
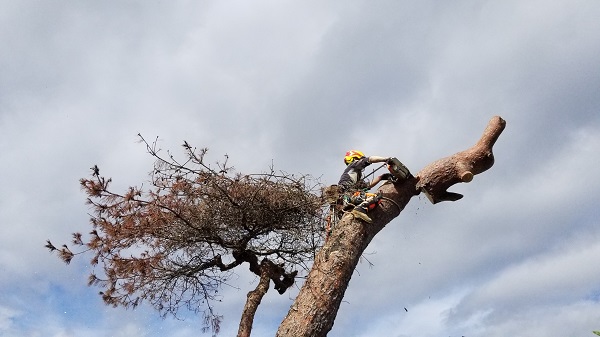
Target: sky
{"points": [[295, 84]]}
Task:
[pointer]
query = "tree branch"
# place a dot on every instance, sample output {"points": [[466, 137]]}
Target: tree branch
{"points": [[436, 178]]}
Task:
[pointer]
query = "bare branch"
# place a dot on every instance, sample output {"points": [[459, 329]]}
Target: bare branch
{"points": [[436, 178]]}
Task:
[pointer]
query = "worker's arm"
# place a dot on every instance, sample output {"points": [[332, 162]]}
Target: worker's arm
{"points": [[385, 176], [377, 159]]}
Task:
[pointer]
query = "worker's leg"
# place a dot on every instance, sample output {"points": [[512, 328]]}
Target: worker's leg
{"points": [[369, 202]]}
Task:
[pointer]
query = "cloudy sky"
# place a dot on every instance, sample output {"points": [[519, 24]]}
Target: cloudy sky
{"points": [[296, 84]]}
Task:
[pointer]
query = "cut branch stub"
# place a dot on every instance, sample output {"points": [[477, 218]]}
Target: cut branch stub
{"points": [[436, 178]]}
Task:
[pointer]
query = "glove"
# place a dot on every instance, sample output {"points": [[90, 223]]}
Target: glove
{"points": [[386, 176], [389, 160]]}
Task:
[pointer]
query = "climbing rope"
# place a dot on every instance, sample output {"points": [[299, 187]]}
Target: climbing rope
{"points": [[375, 170], [392, 201]]}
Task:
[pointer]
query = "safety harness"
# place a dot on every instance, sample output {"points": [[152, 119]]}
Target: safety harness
{"points": [[341, 202]]}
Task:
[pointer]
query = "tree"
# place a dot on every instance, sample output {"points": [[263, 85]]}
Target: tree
{"points": [[315, 308], [181, 200], [176, 243]]}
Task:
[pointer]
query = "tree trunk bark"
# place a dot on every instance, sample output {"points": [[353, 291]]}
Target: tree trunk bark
{"points": [[254, 298], [315, 309]]}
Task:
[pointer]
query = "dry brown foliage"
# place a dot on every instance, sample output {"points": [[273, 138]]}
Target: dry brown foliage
{"points": [[175, 243]]}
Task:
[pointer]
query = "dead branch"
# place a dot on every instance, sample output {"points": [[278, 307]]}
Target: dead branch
{"points": [[436, 178]]}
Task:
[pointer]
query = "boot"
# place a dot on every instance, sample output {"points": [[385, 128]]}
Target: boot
{"points": [[361, 213]]}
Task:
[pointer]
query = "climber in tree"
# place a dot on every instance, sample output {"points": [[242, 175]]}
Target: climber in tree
{"points": [[353, 188]]}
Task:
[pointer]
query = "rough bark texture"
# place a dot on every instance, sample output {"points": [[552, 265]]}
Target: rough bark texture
{"points": [[254, 298], [314, 310], [267, 272]]}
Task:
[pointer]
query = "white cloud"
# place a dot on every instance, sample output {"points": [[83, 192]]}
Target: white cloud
{"points": [[558, 276], [7, 315], [576, 319], [426, 318]]}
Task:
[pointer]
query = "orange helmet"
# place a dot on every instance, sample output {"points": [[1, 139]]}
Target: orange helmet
{"points": [[352, 155]]}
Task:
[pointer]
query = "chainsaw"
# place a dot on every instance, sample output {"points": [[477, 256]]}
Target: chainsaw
{"points": [[398, 170]]}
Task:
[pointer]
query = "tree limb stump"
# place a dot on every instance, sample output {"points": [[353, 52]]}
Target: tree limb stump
{"points": [[436, 178]]}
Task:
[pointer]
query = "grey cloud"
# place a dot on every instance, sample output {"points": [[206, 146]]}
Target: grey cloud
{"points": [[300, 85]]}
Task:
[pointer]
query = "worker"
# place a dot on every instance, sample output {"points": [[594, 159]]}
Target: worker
{"points": [[353, 188]]}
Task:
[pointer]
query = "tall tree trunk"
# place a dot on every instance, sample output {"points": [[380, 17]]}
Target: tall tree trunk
{"points": [[314, 310], [254, 298]]}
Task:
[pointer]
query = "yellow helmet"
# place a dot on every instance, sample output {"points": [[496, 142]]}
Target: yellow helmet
{"points": [[352, 155]]}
